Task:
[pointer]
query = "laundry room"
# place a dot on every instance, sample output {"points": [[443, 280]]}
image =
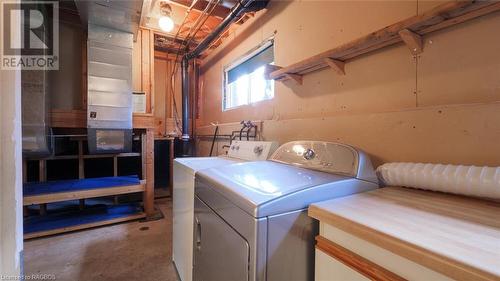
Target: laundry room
{"points": [[252, 140]]}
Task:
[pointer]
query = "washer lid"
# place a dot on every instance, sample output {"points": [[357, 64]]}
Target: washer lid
{"points": [[195, 164], [251, 185]]}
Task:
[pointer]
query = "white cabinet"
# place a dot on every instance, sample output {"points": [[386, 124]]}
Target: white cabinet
{"points": [[345, 257], [329, 269]]}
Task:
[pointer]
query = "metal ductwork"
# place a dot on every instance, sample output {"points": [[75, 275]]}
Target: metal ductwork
{"points": [[111, 28], [109, 99], [238, 10], [122, 15], [35, 113], [35, 100]]}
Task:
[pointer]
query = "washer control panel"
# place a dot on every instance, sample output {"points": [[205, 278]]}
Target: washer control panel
{"points": [[252, 150]]}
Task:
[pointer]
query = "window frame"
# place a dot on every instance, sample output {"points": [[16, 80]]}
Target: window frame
{"points": [[248, 55]]}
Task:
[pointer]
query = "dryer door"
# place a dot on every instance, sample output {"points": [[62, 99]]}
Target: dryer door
{"points": [[220, 253]]}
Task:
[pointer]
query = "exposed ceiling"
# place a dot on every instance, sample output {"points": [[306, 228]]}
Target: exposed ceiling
{"points": [[193, 21]]}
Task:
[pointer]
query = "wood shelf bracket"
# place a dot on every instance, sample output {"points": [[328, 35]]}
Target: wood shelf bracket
{"points": [[336, 65], [409, 30], [295, 77], [412, 40], [269, 69]]}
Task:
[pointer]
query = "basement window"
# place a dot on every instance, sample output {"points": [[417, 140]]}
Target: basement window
{"points": [[244, 81]]}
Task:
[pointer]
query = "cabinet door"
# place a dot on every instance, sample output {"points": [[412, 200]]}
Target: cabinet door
{"points": [[220, 253]]}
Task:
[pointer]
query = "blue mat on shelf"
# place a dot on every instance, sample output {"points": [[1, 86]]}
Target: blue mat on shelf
{"points": [[74, 218], [38, 188]]}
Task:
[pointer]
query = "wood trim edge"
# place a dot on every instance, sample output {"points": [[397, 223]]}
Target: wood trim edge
{"points": [[424, 257], [356, 262], [82, 194]]}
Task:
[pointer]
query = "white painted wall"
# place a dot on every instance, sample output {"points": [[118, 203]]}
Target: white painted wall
{"points": [[11, 224]]}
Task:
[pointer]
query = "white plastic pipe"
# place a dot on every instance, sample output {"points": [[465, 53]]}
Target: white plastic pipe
{"points": [[465, 180]]}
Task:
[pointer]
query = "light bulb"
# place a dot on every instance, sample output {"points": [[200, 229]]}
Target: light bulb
{"points": [[166, 24]]}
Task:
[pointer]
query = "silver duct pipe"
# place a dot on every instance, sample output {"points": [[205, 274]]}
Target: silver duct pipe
{"points": [[240, 8]]}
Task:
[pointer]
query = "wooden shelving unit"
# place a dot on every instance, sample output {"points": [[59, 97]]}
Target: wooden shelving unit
{"points": [[88, 218], [82, 194], [409, 31]]}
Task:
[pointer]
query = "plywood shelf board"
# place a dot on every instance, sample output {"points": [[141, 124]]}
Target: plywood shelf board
{"points": [[445, 15], [44, 233], [82, 194]]}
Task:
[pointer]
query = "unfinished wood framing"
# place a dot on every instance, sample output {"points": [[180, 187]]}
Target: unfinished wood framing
{"points": [[445, 15], [148, 171]]}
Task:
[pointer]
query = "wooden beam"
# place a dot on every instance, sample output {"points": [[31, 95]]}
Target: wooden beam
{"points": [[78, 119], [148, 168], [42, 177], [171, 168], [219, 11], [145, 68], [82, 194], [81, 162], [412, 40], [152, 70], [356, 262], [68, 118], [143, 121], [445, 15], [296, 77], [336, 65]]}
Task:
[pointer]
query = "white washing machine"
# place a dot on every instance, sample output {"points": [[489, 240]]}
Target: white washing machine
{"points": [[183, 195]]}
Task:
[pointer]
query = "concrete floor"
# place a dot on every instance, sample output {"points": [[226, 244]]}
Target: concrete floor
{"points": [[117, 252]]}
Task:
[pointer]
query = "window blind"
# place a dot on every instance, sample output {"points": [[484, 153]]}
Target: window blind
{"points": [[264, 57]]}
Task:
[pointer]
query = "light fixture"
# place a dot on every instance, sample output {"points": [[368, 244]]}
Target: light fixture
{"points": [[165, 22]]}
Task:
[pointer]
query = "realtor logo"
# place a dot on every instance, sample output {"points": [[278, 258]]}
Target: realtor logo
{"points": [[30, 35]]}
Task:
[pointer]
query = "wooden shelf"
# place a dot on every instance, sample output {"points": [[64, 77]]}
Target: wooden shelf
{"points": [[83, 194], [409, 31], [52, 224], [83, 226], [89, 156]]}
